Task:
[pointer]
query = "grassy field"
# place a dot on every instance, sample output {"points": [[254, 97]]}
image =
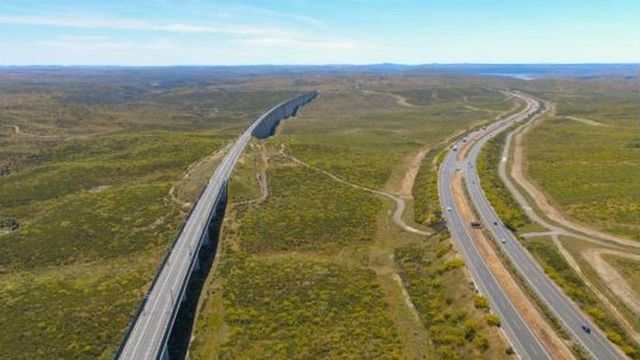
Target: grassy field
{"points": [[585, 167], [87, 162], [278, 254], [94, 217], [289, 308], [309, 225], [281, 292]]}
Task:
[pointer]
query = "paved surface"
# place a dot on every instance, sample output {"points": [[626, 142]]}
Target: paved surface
{"points": [[147, 335], [523, 339]]}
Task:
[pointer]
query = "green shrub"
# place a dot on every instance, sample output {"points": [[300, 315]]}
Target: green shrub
{"points": [[498, 195], [493, 319], [481, 302]]}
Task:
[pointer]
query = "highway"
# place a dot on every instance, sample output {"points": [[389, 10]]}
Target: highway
{"points": [[148, 334], [523, 339]]}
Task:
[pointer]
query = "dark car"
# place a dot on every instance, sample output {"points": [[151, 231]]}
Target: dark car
{"points": [[586, 329]]}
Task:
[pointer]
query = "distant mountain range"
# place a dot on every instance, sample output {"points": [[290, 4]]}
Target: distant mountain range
{"points": [[524, 71]]}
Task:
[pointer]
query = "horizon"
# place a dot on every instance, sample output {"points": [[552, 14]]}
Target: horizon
{"points": [[303, 33], [327, 64]]}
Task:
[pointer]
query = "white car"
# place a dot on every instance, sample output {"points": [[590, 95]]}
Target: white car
{"points": [[503, 240], [448, 208]]}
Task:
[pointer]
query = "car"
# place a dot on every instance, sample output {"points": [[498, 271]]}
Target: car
{"points": [[586, 329], [449, 208], [495, 223], [503, 240]]}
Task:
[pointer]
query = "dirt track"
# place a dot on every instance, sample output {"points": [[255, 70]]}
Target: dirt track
{"points": [[400, 100], [406, 186], [518, 174], [400, 204], [612, 277]]}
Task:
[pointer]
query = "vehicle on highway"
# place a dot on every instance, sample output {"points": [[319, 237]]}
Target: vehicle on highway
{"points": [[586, 329], [503, 240], [449, 208], [455, 148], [495, 223], [476, 225]]}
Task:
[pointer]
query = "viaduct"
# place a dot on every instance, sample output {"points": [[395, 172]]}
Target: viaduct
{"points": [[151, 333]]}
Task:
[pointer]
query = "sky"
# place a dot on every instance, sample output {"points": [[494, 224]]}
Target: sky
{"points": [[210, 32]]}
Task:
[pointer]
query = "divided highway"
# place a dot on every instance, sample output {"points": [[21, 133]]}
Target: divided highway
{"points": [[147, 336], [526, 344]]}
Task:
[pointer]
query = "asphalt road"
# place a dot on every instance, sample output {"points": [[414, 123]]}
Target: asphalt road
{"points": [[147, 335], [525, 342]]}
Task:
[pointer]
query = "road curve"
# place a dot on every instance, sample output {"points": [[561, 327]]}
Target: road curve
{"points": [[595, 343], [147, 336], [524, 341]]}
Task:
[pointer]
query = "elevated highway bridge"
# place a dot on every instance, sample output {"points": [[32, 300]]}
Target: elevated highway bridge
{"points": [[148, 334]]}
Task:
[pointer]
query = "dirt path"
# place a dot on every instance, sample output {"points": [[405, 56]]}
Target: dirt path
{"points": [[612, 277], [465, 100], [400, 100], [520, 300], [407, 319], [17, 132], [400, 204], [191, 169], [518, 174], [585, 121], [413, 166], [261, 178]]}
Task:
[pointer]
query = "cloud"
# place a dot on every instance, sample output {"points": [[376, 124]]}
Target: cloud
{"points": [[275, 13], [291, 42], [129, 24], [306, 43]]}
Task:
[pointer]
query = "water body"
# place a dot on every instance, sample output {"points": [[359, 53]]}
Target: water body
{"points": [[513, 75]]}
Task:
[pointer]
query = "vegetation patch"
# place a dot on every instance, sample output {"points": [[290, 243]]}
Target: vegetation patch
{"points": [[426, 202], [497, 193], [305, 309], [308, 210], [453, 315], [585, 169], [350, 162], [95, 218], [78, 312]]}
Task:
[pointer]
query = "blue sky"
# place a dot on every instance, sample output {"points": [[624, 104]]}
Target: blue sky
{"points": [[166, 32]]}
